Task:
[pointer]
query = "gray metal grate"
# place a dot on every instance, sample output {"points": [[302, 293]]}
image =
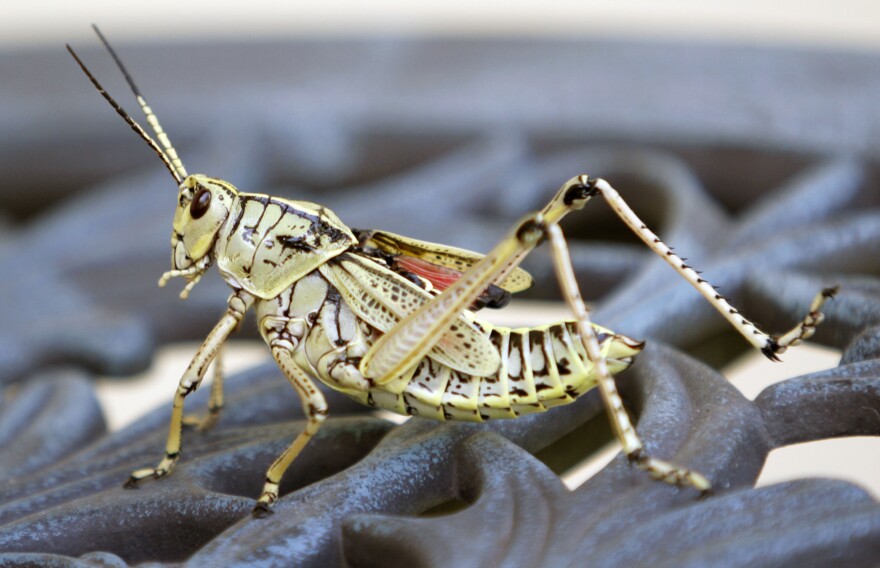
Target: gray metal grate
{"points": [[760, 164]]}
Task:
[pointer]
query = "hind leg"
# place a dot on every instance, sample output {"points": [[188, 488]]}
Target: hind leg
{"points": [[633, 447], [582, 188], [402, 347]]}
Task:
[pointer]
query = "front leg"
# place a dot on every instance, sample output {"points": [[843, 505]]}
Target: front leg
{"points": [[237, 305], [215, 403]]}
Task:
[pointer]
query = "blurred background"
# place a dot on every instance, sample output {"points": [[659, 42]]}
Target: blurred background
{"points": [[30, 31], [849, 24]]}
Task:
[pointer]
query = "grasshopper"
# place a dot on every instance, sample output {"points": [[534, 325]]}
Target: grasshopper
{"points": [[390, 320]]}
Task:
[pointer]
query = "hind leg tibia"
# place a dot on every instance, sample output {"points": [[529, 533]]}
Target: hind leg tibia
{"points": [[581, 188], [617, 414]]}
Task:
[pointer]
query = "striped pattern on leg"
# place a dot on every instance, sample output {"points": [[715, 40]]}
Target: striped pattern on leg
{"points": [[620, 421]]}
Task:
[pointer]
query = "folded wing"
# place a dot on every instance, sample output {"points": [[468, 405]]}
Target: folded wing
{"points": [[453, 260], [382, 298]]}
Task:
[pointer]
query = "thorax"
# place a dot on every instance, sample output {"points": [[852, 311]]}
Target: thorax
{"points": [[268, 243]]}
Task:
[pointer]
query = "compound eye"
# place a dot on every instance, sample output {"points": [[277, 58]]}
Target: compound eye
{"points": [[200, 203]]}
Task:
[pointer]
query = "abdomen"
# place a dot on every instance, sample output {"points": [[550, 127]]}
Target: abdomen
{"points": [[540, 367]]}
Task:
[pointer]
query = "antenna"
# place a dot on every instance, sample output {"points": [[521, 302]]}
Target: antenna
{"points": [[152, 120], [130, 121]]}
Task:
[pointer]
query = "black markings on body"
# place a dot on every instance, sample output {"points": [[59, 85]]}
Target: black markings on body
{"points": [[536, 341], [268, 242], [562, 366], [295, 242], [238, 218], [248, 231], [318, 226], [334, 298]]}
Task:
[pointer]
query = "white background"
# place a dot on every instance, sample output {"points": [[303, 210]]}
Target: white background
{"points": [[853, 24]]}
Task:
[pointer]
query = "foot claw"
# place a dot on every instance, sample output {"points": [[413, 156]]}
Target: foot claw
{"points": [[141, 474], [261, 510], [670, 473], [191, 421], [200, 424], [771, 349]]}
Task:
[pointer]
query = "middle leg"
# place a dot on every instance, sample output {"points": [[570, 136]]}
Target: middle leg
{"points": [[215, 402], [315, 410]]}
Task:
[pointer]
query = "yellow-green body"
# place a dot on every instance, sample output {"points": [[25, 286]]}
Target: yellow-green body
{"points": [[540, 367], [319, 294]]}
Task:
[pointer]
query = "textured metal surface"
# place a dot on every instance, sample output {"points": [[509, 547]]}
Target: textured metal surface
{"points": [[760, 166]]}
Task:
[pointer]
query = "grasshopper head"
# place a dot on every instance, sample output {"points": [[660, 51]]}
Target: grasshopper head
{"points": [[203, 202], [203, 206]]}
